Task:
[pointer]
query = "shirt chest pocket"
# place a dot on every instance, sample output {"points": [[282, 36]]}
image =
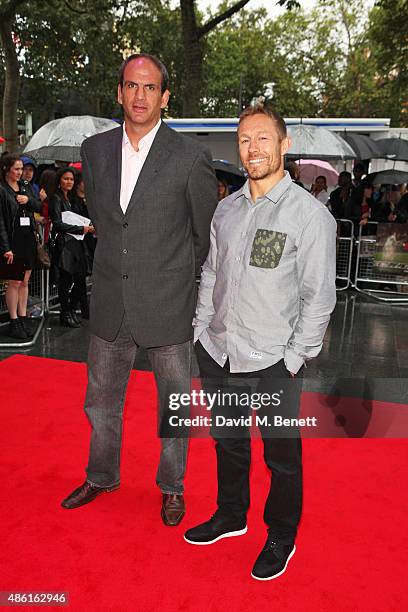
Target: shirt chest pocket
{"points": [[267, 249]]}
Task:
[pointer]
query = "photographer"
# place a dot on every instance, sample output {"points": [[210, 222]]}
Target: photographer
{"points": [[17, 239]]}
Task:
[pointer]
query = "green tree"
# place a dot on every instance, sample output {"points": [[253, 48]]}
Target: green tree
{"points": [[157, 29], [194, 34], [249, 57], [68, 53], [388, 44], [332, 71], [8, 9]]}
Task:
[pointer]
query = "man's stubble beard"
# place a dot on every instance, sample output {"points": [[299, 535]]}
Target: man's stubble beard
{"points": [[258, 175]]}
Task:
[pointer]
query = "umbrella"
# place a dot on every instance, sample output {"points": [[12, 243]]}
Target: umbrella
{"points": [[393, 148], [232, 174], [311, 142], [387, 177], [364, 146], [61, 139], [311, 168]]}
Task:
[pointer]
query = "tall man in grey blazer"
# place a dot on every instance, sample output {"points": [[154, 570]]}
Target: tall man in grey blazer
{"points": [[151, 194]]}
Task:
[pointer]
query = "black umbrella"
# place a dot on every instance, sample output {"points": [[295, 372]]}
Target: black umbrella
{"points": [[231, 173], [364, 146], [393, 148], [387, 177]]}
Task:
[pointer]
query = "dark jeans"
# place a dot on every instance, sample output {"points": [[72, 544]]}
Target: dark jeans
{"points": [[69, 297], [109, 367], [282, 450]]}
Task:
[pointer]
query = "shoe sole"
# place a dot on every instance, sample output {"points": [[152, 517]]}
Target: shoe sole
{"points": [[110, 490], [229, 534], [279, 573]]}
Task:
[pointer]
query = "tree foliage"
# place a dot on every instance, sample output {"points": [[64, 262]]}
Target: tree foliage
{"points": [[340, 59], [388, 39]]}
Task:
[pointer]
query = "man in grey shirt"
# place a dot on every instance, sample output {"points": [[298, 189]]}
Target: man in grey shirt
{"points": [[266, 294]]}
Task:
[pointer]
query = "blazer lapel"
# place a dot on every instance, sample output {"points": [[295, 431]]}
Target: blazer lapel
{"points": [[116, 163], [154, 161]]}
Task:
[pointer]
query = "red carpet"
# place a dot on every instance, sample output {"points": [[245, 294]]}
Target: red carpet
{"points": [[115, 554]]}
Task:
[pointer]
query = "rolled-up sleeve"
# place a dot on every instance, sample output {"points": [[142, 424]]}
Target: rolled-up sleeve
{"points": [[316, 270]]}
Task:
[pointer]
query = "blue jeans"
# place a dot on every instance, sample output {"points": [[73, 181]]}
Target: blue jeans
{"points": [[109, 367]]}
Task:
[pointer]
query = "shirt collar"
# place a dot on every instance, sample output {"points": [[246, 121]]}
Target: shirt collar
{"points": [[273, 194], [147, 139]]}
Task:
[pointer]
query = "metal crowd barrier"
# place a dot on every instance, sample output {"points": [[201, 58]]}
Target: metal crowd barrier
{"points": [[382, 286], [35, 309], [52, 305], [345, 241], [43, 296]]}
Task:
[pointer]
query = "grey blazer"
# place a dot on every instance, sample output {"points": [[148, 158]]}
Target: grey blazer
{"points": [[146, 260]]}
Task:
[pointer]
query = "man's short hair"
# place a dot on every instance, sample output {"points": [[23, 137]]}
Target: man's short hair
{"points": [[260, 109], [165, 79]]}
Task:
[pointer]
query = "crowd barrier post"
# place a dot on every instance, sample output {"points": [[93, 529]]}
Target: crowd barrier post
{"points": [[344, 253], [52, 304]]}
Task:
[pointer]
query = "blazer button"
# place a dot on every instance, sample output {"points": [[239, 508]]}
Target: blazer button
{"points": [[125, 277], [125, 225], [125, 251]]}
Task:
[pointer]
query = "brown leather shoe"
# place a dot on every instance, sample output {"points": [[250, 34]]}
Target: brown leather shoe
{"points": [[173, 509], [85, 494]]}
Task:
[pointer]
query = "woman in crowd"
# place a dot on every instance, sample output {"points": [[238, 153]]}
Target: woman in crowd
{"points": [[69, 253], [17, 239], [319, 190]]}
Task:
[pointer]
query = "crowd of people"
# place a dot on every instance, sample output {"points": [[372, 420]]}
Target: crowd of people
{"points": [[32, 204], [31, 212], [357, 198]]}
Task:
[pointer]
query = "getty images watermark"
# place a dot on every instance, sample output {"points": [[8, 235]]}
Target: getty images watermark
{"points": [[223, 400]]}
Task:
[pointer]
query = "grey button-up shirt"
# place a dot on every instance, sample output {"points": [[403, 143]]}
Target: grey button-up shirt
{"points": [[268, 284]]}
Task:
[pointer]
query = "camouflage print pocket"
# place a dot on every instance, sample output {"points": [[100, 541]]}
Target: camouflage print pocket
{"points": [[267, 249]]}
